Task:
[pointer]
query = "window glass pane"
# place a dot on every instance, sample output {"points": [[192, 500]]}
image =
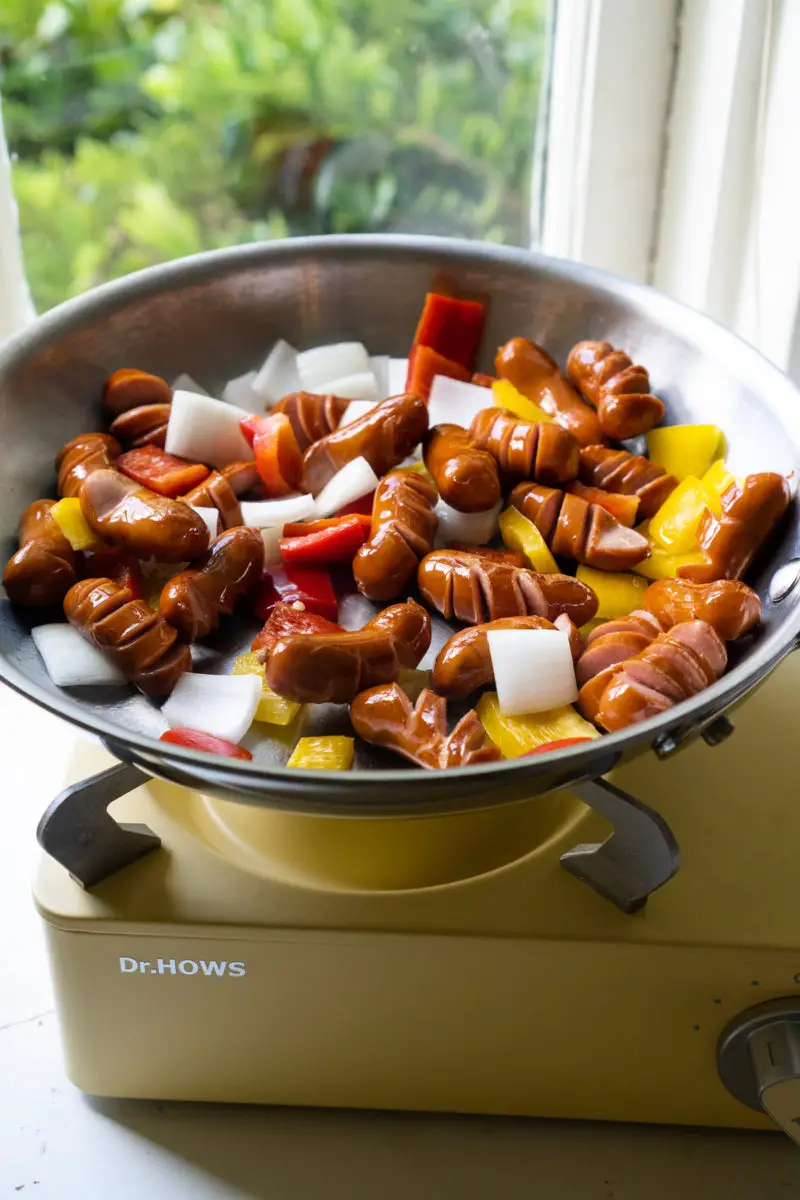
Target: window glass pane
{"points": [[143, 130]]}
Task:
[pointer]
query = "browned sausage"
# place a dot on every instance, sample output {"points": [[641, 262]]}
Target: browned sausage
{"points": [[464, 663], [384, 717], [576, 529], [79, 458], [311, 416], [194, 601], [320, 668], [732, 608], [678, 664], [628, 474], [466, 476], [619, 390], [45, 567], [221, 490], [480, 379], [525, 449], [507, 556], [134, 638], [147, 525], [142, 426], [534, 373], [750, 512], [403, 528], [130, 388], [384, 436], [474, 589]]}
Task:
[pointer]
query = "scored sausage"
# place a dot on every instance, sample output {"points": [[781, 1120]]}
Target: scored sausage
{"points": [[403, 528], [221, 490], [194, 600], [319, 668], [628, 474], [45, 567], [134, 638], [750, 511], [384, 716], [384, 436], [130, 388], [526, 450], [474, 589], [616, 387], [147, 525], [465, 474], [534, 373], [574, 528], [79, 458], [731, 607], [464, 663], [311, 416], [142, 426]]}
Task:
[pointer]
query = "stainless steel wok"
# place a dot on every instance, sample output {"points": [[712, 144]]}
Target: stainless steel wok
{"points": [[216, 315]]}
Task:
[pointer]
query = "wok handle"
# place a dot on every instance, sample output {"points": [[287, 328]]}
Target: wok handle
{"points": [[78, 832]]}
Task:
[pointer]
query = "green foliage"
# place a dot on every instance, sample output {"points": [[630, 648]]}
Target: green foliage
{"points": [[147, 129]]}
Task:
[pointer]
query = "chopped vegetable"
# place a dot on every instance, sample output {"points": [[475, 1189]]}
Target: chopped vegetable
{"points": [[684, 450], [477, 528], [195, 739], [70, 660], [718, 479], [223, 705], [559, 744], [272, 546], [533, 669], [452, 401], [323, 754], [266, 514], [68, 515], [624, 508], [664, 564], [278, 375], [425, 365], [298, 529], [413, 682], [505, 395], [185, 383], [285, 621], [339, 542], [360, 386], [240, 393], [398, 372], [211, 518], [154, 580], [353, 481], [161, 472], [674, 526], [379, 365], [451, 327], [357, 409], [618, 592], [364, 504], [123, 568], [519, 533], [309, 586], [514, 736], [205, 430], [272, 708], [279, 460], [319, 367]]}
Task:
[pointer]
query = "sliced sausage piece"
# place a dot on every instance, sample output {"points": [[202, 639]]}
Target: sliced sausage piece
{"points": [[194, 600], [731, 607], [628, 474], [404, 525], [147, 525], [575, 529], [85, 454], [384, 436], [547, 453], [534, 373], [749, 514], [45, 567], [466, 475], [384, 717], [619, 390]]}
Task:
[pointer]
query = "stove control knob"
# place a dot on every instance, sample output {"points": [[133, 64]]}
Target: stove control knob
{"points": [[758, 1059]]}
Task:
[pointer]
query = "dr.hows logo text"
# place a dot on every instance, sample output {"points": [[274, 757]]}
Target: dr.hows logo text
{"points": [[182, 966]]}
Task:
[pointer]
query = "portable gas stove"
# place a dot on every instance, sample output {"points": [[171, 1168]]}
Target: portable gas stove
{"points": [[446, 963]]}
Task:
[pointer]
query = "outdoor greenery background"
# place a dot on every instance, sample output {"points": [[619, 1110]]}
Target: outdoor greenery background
{"points": [[142, 130]]}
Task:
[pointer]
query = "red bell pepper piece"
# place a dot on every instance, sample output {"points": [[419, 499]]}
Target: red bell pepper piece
{"points": [[297, 529], [195, 739], [423, 364], [624, 508], [249, 426], [337, 543], [364, 506], [123, 568], [481, 380], [507, 556], [161, 472], [279, 460], [559, 744], [311, 586], [286, 621], [451, 327]]}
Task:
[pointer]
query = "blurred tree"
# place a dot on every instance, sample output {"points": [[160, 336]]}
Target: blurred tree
{"points": [[147, 129]]}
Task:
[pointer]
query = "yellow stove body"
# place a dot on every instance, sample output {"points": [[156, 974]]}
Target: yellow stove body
{"points": [[447, 963]]}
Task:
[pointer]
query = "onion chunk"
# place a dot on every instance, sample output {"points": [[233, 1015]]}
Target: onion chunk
{"points": [[533, 670], [205, 430], [220, 704], [355, 480], [70, 660]]}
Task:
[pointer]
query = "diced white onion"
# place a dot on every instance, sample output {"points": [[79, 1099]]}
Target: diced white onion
{"points": [[272, 551], [271, 514], [477, 528], [360, 386], [185, 383], [379, 365], [356, 409], [355, 480], [454, 402], [70, 660], [211, 518], [533, 670], [223, 705], [398, 372], [205, 430], [278, 375], [239, 391], [331, 362]]}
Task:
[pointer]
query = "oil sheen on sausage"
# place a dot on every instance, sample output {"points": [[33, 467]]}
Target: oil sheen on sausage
{"points": [[194, 600], [45, 567], [149, 526], [384, 436]]}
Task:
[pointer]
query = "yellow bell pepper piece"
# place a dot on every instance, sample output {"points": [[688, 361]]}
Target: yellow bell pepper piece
{"points": [[68, 515], [516, 735], [717, 480], [590, 625], [618, 592], [272, 708], [519, 533], [505, 395], [413, 682], [323, 754], [663, 564], [421, 469], [674, 526], [684, 450]]}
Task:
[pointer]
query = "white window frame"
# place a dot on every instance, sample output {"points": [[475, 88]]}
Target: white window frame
{"points": [[16, 308]]}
